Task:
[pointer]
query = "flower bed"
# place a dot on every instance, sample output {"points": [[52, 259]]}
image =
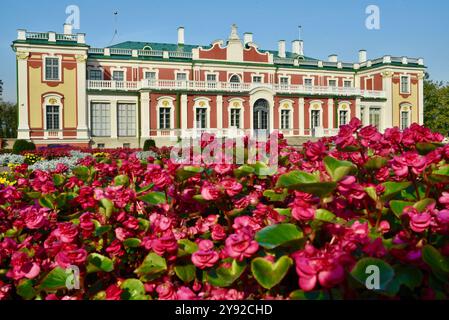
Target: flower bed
{"points": [[362, 215]]}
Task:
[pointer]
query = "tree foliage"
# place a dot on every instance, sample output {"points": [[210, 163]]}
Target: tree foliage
{"points": [[436, 106], [8, 120]]}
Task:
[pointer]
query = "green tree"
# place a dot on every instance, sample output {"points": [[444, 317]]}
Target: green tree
{"points": [[8, 120], [436, 106]]}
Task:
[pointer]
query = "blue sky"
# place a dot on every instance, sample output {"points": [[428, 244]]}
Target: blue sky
{"points": [[407, 27]]}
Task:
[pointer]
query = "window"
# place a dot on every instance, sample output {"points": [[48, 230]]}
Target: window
{"points": [[52, 69], [285, 119], [308, 82], [52, 118], [150, 75], [332, 83], [126, 120], [374, 117], [362, 115], [211, 78], [405, 85], [284, 81], [182, 76], [347, 83], [235, 118], [95, 75], [201, 120], [118, 75], [235, 79], [316, 118], [343, 117], [405, 121], [101, 120], [257, 79], [165, 118]]}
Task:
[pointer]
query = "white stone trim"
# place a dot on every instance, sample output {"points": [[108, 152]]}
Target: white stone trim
{"points": [[341, 107], [202, 103], [405, 75], [312, 105], [165, 102], [123, 69], [286, 104], [301, 104], [405, 107], [145, 114], [236, 103], [44, 67], [53, 99]]}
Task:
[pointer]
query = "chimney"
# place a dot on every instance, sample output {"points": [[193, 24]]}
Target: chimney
{"points": [[281, 50], [68, 29], [362, 56], [298, 47], [247, 38], [333, 58], [181, 39]]}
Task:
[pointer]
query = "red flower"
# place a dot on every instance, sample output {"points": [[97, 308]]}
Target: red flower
{"points": [[240, 246], [205, 257]]}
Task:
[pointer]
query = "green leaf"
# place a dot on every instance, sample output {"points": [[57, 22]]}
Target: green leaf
{"points": [[277, 235], [398, 206], [47, 202], [186, 273], [270, 274], [437, 262], [292, 179], [96, 263], [427, 147], [371, 191], [262, 169], [55, 280], [187, 172], [327, 216], [224, 277], [152, 265], [243, 171], [273, 196], [360, 272], [311, 295], [133, 290], [122, 180], [375, 163], [338, 169], [186, 247], [132, 243], [25, 289], [58, 180], [154, 198], [284, 212], [409, 276], [81, 172], [102, 230], [423, 204], [441, 175], [107, 206], [394, 188]]}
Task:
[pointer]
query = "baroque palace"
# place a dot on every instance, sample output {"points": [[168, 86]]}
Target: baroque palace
{"points": [[119, 96]]}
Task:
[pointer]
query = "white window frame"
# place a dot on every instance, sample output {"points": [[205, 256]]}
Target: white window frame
{"points": [[308, 78], [201, 103], [344, 106], [405, 108], [53, 100], [107, 122], [231, 75], [312, 105], [380, 116], [284, 77], [409, 85], [351, 83], [165, 102], [89, 70], [329, 82], [124, 70], [118, 120], [236, 103], [44, 71], [286, 105], [186, 72]]}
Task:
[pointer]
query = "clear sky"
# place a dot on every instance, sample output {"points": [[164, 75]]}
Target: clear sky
{"points": [[407, 27]]}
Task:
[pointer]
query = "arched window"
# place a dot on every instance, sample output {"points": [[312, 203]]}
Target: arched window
{"points": [[235, 79], [405, 116]]}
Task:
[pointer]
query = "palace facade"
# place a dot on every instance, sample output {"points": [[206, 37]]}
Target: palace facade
{"points": [[119, 96]]}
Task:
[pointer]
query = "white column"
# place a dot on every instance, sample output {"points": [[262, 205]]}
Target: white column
{"points": [[22, 65], [366, 115], [82, 130], [114, 129], [421, 99], [145, 114], [387, 110], [330, 113], [219, 112], [358, 101], [184, 111], [301, 116]]}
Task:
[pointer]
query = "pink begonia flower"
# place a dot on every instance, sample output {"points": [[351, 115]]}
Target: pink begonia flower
{"points": [[314, 150], [186, 294], [444, 199], [113, 292], [34, 217], [231, 187], [419, 221], [166, 291], [66, 232], [71, 256], [408, 160], [23, 267], [223, 168], [303, 213], [240, 246], [205, 257], [210, 192], [218, 232], [166, 243]]}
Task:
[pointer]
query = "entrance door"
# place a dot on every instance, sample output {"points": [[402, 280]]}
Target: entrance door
{"points": [[261, 116]]}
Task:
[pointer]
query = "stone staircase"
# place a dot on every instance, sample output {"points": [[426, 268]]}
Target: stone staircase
{"points": [[299, 141]]}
